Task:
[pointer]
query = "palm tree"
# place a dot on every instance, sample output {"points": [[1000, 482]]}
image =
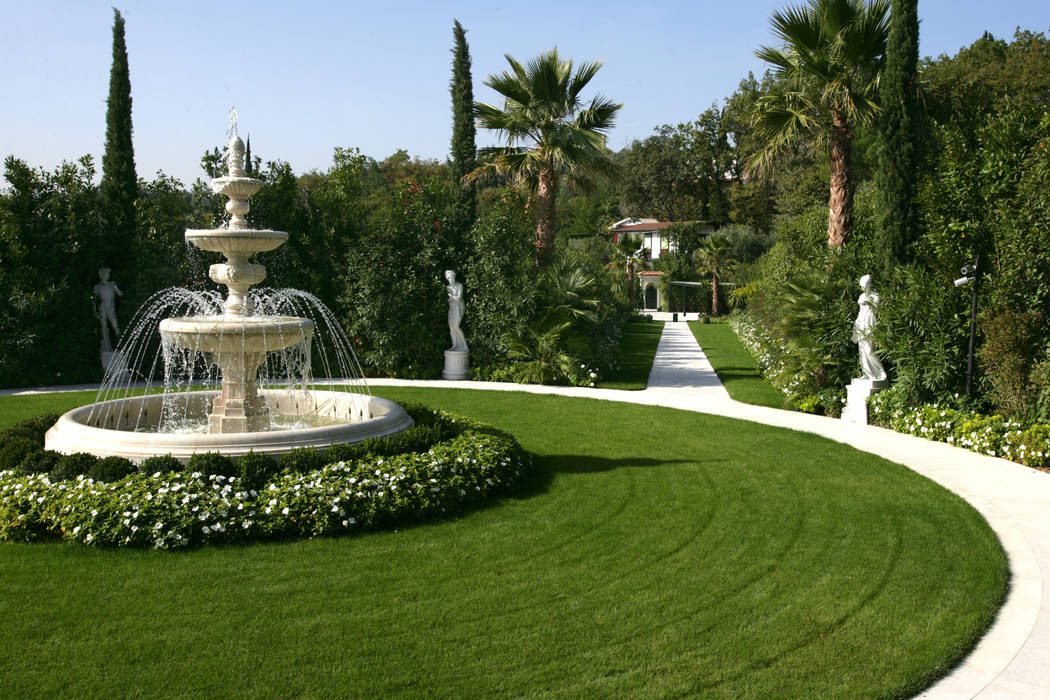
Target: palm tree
{"points": [[548, 132], [828, 78], [627, 255], [713, 255]]}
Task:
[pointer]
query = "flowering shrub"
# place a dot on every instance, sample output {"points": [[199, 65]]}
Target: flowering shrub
{"points": [[188, 508], [995, 435], [563, 374], [781, 371]]}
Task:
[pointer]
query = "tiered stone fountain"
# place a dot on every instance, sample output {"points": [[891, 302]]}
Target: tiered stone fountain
{"points": [[237, 342]]}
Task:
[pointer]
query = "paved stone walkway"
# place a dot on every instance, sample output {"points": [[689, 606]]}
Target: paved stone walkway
{"points": [[1012, 659]]}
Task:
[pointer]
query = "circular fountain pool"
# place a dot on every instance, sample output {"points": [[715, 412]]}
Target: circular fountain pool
{"points": [[127, 427]]}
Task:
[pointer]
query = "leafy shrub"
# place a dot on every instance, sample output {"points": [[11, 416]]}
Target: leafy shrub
{"points": [[38, 462], [255, 469], [162, 464], [982, 434], [110, 469], [33, 428], [501, 287], [920, 335], [1030, 446], [74, 465], [303, 459], [15, 449], [395, 284], [1010, 349], [212, 463], [23, 438]]}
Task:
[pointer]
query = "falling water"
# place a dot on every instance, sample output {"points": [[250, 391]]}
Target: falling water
{"points": [[182, 371]]}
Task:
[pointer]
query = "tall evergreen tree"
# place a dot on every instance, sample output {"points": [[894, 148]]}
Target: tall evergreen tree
{"points": [[119, 186], [248, 157], [464, 149], [899, 134]]}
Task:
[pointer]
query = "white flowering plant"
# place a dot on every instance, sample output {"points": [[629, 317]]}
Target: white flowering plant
{"points": [[189, 508], [995, 436], [781, 370]]}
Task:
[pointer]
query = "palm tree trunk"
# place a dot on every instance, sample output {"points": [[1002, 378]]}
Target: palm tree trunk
{"points": [[714, 295], [630, 282], [546, 193], [840, 214]]}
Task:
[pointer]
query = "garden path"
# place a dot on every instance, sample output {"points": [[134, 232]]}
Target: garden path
{"points": [[1010, 660]]}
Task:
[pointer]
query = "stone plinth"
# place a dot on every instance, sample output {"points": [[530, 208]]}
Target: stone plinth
{"points": [[857, 393], [457, 364], [115, 364]]}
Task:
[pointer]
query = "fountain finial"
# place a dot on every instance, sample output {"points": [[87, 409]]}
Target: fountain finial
{"points": [[235, 157]]}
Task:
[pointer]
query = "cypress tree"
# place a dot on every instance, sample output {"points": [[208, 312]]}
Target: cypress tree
{"points": [[464, 151], [119, 186], [248, 157], [899, 133]]}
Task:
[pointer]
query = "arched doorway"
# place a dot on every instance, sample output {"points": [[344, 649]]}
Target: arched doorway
{"points": [[652, 300]]}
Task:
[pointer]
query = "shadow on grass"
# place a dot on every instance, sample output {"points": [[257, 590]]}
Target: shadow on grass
{"points": [[588, 464]]}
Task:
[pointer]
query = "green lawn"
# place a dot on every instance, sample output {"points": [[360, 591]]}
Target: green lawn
{"points": [[638, 347], [734, 365], [712, 557]]}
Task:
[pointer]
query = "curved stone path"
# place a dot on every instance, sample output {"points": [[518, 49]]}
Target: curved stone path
{"points": [[1011, 659]]}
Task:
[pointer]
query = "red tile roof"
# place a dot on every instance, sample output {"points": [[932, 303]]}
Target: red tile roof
{"points": [[650, 226]]}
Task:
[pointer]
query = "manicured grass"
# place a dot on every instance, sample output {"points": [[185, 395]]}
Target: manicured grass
{"points": [[638, 345], [16, 408], [734, 365], [712, 557]]}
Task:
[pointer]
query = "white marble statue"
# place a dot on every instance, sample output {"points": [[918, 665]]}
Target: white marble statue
{"points": [[869, 363], [455, 311], [106, 292]]}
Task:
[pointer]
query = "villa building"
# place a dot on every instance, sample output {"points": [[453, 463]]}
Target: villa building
{"points": [[652, 239]]}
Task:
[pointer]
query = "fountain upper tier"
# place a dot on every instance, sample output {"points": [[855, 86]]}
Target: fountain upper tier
{"points": [[236, 242]]}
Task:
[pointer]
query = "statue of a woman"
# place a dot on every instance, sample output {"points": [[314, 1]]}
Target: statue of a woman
{"points": [[869, 363], [455, 311]]}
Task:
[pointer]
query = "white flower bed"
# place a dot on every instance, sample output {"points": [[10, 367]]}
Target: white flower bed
{"points": [[181, 509]]}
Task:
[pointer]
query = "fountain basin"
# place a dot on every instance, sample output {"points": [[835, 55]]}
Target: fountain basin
{"points": [[121, 427], [228, 335], [236, 242]]}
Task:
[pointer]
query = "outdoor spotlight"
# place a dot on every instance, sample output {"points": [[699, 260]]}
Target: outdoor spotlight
{"points": [[966, 270], [963, 280]]}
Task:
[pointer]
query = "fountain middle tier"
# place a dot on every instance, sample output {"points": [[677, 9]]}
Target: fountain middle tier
{"points": [[236, 334], [238, 346]]}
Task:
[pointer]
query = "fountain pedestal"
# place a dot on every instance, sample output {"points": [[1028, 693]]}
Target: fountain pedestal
{"points": [[239, 408]]}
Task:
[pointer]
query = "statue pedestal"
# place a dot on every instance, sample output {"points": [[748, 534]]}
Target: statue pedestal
{"points": [[115, 364], [857, 393], [457, 364]]}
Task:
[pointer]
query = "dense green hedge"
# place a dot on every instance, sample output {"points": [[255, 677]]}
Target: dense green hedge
{"points": [[439, 466]]}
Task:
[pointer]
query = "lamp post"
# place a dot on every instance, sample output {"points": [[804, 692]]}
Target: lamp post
{"points": [[971, 273]]}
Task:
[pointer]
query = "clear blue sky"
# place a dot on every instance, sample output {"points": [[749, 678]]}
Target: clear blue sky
{"points": [[308, 76]]}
